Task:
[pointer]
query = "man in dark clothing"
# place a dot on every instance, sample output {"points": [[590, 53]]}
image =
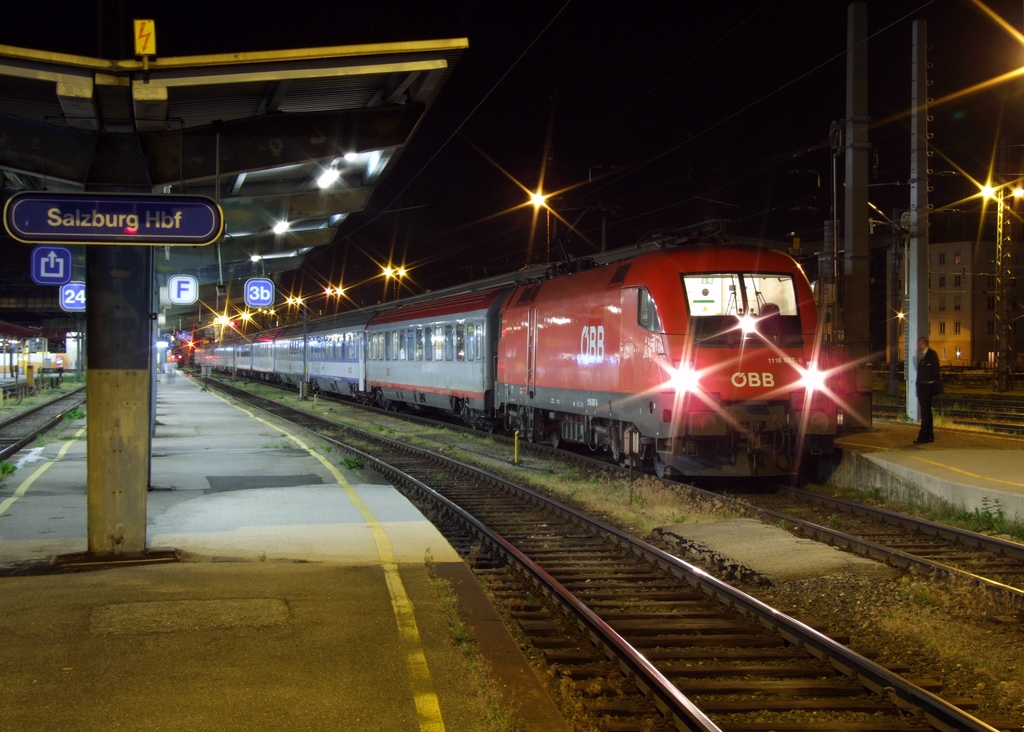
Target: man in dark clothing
{"points": [[927, 385]]}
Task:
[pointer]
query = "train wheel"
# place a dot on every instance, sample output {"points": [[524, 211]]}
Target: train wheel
{"points": [[660, 469]]}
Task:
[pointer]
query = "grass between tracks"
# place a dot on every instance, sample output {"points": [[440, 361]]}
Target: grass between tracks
{"points": [[990, 519], [499, 717]]}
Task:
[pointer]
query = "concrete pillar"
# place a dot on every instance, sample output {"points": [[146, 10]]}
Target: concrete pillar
{"points": [[119, 280]]}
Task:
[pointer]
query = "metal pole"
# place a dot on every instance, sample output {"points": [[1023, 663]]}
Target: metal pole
{"points": [[894, 302], [917, 259]]}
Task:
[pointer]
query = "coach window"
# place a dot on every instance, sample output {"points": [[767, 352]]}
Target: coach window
{"points": [[470, 342], [428, 337], [419, 344], [410, 337], [460, 342], [401, 344], [439, 344], [449, 343], [388, 346], [647, 313]]}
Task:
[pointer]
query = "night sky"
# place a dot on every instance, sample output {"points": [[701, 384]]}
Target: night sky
{"points": [[677, 112]]}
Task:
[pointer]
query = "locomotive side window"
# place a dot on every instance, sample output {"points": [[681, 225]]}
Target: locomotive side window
{"points": [[449, 343], [460, 342], [419, 344], [647, 313]]}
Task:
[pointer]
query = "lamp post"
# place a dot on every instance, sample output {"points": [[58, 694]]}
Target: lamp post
{"points": [[1004, 376]]}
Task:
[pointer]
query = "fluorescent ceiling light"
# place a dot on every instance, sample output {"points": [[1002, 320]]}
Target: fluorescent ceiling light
{"points": [[328, 177]]}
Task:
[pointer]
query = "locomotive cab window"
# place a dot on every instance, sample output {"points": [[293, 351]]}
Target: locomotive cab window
{"points": [[716, 302]]}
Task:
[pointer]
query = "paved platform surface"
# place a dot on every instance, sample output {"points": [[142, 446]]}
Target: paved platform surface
{"points": [[971, 470], [768, 550], [305, 602]]}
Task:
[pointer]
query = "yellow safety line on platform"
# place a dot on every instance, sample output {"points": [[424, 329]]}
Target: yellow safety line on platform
{"points": [[23, 488], [428, 708], [935, 463]]}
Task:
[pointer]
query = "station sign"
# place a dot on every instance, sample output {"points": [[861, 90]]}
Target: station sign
{"points": [[259, 292], [51, 265], [113, 218], [72, 297], [182, 289]]}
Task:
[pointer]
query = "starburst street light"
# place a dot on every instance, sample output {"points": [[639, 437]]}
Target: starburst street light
{"points": [[538, 199], [395, 274]]}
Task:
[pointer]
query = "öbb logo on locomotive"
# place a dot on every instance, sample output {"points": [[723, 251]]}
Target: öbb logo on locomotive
{"points": [[707, 352], [765, 379], [592, 344]]}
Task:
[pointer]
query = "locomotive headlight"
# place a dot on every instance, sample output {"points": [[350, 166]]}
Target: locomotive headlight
{"points": [[748, 324], [812, 379], [685, 380]]}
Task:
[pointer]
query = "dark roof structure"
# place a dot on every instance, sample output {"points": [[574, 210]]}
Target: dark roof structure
{"points": [[255, 131]]}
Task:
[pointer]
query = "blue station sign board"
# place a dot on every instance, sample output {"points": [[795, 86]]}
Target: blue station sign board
{"points": [[113, 218]]}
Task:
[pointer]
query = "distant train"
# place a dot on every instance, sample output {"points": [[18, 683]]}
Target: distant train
{"points": [[699, 359]]}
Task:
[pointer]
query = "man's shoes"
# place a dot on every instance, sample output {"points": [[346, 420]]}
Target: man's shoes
{"points": [[921, 441]]}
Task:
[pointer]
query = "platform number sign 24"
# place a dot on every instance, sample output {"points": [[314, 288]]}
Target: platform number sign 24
{"points": [[259, 292], [72, 297]]}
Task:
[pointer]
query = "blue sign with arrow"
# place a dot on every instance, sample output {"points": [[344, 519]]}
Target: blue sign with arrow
{"points": [[51, 265], [111, 218]]}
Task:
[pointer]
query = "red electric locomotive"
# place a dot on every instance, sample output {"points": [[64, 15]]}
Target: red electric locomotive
{"points": [[701, 358]]}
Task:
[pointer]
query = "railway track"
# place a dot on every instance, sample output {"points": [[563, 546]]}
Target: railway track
{"points": [[1005, 417], [896, 539], [19, 430], [648, 641], [899, 540]]}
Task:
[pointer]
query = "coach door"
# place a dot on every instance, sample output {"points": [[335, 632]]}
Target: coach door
{"points": [[361, 350], [531, 352]]}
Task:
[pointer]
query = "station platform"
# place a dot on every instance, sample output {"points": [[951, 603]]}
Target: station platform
{"points": [[970, 470], [304, 601]]}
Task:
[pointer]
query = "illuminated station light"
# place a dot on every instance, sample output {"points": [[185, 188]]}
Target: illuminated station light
{"points": [[280, 227]]}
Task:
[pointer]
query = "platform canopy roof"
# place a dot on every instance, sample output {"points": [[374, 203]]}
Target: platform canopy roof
{"points": [[254, 130]]}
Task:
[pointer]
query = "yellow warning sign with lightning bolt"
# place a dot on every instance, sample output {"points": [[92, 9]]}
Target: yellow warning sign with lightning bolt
{"points": [[145, 38]]}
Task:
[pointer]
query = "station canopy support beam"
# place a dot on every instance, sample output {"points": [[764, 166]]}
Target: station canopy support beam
{"points": [[119, 280]]}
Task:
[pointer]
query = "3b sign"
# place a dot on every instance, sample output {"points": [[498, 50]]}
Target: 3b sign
{"points": [[259, 292]]}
